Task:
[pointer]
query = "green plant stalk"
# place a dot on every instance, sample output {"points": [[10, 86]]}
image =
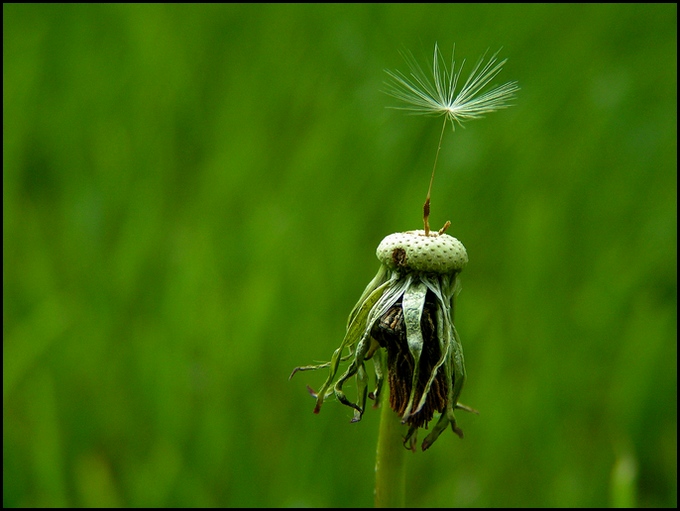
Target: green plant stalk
{"points": [[390, 469]]}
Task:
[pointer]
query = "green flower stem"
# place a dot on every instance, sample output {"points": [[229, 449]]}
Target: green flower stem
{"points": [[390, 469]]}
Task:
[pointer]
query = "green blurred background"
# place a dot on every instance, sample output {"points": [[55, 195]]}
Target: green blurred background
{"points": [[192, 198]]}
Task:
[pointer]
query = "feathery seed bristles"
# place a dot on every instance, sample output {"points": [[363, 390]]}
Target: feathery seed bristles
{"points": [[437, 95]]}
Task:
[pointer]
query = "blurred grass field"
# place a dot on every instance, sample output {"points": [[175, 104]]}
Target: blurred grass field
{"points": [[192, 198]]}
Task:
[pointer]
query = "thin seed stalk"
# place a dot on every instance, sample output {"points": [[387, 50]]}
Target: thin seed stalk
{"points": [[426, 206], [390, 469]]}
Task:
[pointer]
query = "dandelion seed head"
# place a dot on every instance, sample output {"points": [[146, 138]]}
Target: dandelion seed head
{"points": [[435, 93]]}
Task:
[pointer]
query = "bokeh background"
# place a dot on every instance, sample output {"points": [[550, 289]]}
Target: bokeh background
{"points": [[192, 198]]}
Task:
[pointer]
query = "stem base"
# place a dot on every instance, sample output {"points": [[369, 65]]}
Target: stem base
{"points": [[390, 469]]}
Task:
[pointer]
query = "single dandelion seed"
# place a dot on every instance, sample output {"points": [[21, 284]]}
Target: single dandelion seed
{"points": [[436, 95]]}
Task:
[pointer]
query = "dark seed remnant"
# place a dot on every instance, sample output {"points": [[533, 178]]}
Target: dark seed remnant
{"points": [[399, 257]]}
